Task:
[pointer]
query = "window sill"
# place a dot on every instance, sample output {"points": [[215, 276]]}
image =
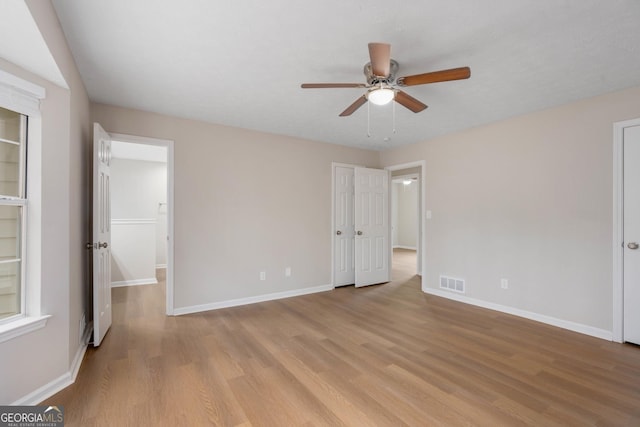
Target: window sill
{"points": [[22, 326]]}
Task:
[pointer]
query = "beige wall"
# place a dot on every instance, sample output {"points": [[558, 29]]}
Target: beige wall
{"points": [[528, 199], [78, 173], [245, 202], [43, 357]]}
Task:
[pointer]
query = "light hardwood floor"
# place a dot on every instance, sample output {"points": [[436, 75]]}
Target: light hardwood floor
{"points": [[385, 355]]}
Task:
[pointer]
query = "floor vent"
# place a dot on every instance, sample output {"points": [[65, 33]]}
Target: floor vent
{"points": [[452, 284]]}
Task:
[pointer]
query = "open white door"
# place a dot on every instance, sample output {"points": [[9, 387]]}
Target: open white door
{"points": [[372, 226], [344, 273], [101, 234], [631, 227]]}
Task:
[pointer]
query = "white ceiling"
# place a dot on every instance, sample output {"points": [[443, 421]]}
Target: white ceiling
{"points": [[241, 63]]}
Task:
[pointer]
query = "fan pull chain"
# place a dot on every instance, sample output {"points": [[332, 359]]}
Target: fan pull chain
{"points": [[368, 120], [394, 116]]}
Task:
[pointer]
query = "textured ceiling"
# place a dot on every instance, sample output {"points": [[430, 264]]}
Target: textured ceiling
{"points": [[241, 63]]}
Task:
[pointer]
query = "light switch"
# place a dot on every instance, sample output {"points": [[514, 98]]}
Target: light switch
{"points": [[428, 214]]}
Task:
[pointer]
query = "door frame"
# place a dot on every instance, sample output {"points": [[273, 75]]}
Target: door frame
{"points": [[422, 207], [618, 231], [170, 206]]}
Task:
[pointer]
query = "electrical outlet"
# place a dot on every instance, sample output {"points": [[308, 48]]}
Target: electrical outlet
{"points": [[504, 283], [263, 275], [287, 272]]}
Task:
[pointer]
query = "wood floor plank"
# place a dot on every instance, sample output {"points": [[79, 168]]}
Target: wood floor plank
{"points": [[325, 392], [387, 355]]}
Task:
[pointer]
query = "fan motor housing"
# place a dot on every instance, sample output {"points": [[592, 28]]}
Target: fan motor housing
{"points": [[375, 80]]}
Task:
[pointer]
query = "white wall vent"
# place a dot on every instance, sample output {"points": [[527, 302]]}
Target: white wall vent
{"points": [[452, 284]]}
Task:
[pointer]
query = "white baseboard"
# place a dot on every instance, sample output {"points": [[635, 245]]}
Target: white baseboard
{"points": [[251, 300], [137, 282], [560, 323], [411, 248], [64, 380]]}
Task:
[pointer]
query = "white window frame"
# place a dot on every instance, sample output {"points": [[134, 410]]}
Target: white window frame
{"points": [[21, 201], [24, 97]]}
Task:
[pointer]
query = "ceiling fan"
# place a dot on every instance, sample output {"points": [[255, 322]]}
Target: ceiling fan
{"points": [[382, 85]]}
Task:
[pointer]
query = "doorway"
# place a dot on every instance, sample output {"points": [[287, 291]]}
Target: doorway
{"points": [[404, 224], [407, 217], [142, 213]]}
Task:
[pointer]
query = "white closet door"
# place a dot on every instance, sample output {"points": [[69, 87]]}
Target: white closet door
{"points": [[344, 228], [631, 328], [372, 245]]}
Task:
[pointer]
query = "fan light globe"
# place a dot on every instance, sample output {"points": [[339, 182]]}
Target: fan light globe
{"points": [[381, 96]]}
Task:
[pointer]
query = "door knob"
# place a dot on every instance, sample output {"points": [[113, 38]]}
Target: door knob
{"points": [[633, 245], [89, 246], [359, 233], [103, 245], [338, 232]]}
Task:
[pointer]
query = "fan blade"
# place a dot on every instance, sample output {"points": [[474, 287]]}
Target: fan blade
{"points": [[330, 85], [380, 54], [435, 76], [353, 107], [410, 102]]}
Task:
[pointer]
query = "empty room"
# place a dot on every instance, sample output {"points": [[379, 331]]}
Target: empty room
{"points": [[333, 214]]}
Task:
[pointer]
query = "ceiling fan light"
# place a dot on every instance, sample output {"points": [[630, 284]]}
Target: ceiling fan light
{"points": [[381, 96]]}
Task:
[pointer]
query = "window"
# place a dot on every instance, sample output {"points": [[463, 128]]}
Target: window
{"points": [[20, 207], [13, 205]]}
